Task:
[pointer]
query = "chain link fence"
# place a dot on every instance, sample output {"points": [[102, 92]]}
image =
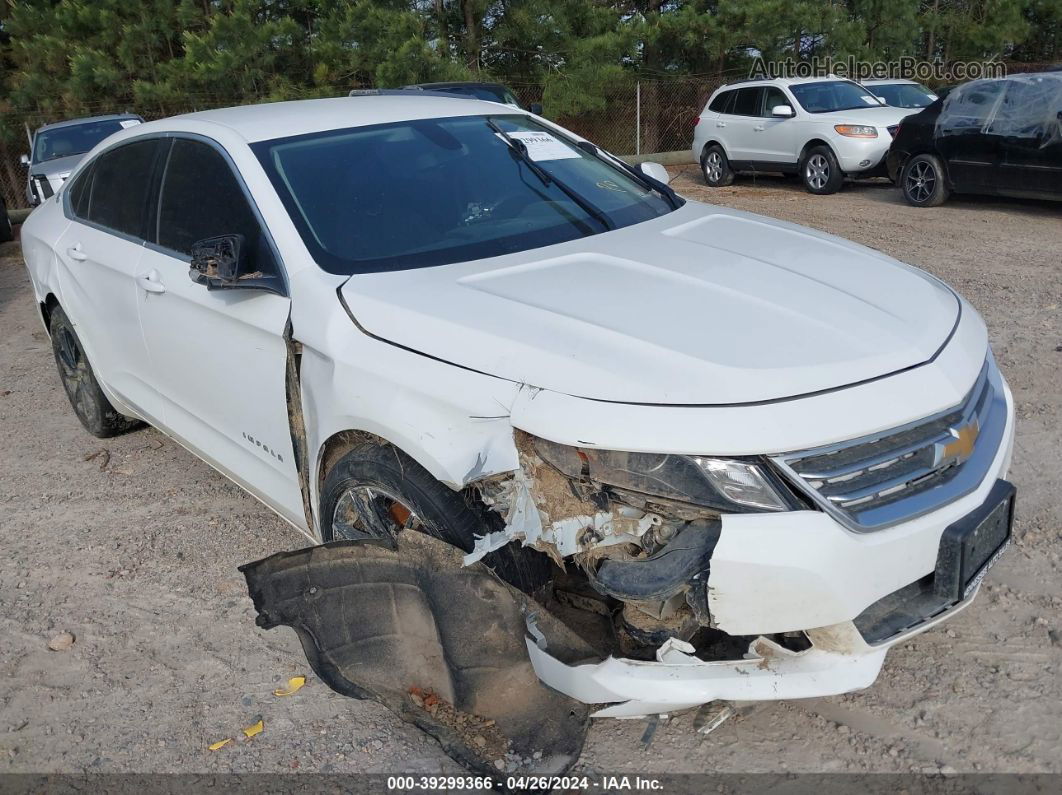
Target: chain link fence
{"points": [[639, 117]]}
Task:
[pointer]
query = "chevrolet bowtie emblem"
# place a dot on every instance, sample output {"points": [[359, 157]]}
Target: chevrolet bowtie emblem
{"points": [[959, 448]]}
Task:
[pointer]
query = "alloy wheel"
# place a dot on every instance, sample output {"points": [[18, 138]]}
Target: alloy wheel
{"points": [[713, 167], [921, 180], [369, 512], [818, 171]]}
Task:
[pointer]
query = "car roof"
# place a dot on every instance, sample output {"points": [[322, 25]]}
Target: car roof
{"points": [[271, 120], [458, 84], [752, 82], [86, 120], [882, 81]]}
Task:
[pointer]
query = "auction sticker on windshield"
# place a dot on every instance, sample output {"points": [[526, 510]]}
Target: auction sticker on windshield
{"points": [[543, 146]]}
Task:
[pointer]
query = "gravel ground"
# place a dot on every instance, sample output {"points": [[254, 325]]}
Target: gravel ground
{"points": [[134, 552]]}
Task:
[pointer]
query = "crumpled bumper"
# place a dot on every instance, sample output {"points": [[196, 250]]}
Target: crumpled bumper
{"points": [[839, 661]]}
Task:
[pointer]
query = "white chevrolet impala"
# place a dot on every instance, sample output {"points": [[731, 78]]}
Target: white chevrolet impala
{"points": [[763, 455]]}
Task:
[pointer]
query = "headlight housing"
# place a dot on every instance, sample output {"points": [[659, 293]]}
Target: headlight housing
{"points": [[856, 130], [727, 484]]}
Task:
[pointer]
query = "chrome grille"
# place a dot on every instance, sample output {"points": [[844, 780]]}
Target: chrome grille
{"points": [[879, 480]]}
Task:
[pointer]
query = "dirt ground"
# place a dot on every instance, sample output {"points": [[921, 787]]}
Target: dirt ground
{"points": [[135, 553]]}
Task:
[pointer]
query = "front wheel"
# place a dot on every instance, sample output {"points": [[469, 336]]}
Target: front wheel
{"points": [[376, 491], [91, 406], [922, 182], [820, 171]]}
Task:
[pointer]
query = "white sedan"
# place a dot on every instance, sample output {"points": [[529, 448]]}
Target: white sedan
{"points": [[764, 454]]}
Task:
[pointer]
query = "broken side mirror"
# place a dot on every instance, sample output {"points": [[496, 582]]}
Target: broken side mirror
{"points": [[536, 108], [656, 171], [218, 262], [24, 159], [227, 263]]}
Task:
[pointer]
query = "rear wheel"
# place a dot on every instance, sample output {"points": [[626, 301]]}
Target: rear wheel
{"points": [[716, 167], [922, 181], [91, 406], [820, 171], [376, 491]]}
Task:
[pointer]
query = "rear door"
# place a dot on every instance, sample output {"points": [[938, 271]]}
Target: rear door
{"points": [[743, 116], [220, 356], [1028, 123], [99, 254]]}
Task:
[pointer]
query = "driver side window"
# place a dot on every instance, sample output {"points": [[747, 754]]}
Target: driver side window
{"points": [[201, 198]]}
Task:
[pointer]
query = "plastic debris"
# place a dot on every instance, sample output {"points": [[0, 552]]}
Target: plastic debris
{"points": [[254, 728], [219, 744], [294, 686]]}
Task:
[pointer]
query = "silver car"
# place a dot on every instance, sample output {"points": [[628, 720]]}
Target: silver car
{"points": [[57, 148]]}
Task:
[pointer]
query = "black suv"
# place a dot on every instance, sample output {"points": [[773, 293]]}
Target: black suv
{"points": [[996, 136]]}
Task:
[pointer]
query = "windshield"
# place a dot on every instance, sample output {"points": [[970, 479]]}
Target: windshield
{"points": [[827, 96], [904, 95], [429, 192], [75, 139]]}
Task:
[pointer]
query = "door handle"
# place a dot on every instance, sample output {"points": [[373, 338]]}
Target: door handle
{"points": [[75, 253], [150, 282], [758, 128], [720, 124]]}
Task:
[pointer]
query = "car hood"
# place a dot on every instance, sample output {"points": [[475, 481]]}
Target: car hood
{"points": [[881, 116], [702, 306], [60, 165]]}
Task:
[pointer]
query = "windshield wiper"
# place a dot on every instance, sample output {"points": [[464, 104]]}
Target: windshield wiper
{"points": [[652, 184], [519, 150]]}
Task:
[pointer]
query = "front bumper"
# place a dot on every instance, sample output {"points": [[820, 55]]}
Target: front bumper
{"points": [[861, 156], [784, 572]]}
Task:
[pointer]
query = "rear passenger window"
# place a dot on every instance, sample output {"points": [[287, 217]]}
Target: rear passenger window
{"points": [[120, 185], [202, 198], [747, 102], [719, 103]]}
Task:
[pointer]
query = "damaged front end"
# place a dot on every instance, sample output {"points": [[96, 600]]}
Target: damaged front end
{"points": [[640, 529]]}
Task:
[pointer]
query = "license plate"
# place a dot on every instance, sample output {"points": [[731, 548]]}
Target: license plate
{"points": [[971, 545]]}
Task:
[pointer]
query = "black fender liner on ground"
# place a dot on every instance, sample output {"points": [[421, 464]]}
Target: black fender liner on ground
{"points": [[383, 623]]}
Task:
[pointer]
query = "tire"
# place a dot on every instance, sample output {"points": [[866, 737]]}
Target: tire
{"points": [[922, 181], [6, 234], [91, 406], [716, 168], [380, 482], [820, 172]]}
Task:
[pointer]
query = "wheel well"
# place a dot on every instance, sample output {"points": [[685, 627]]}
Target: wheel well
{"points": [[47, 306], [811, 145], [925, 150], [704, 149]]}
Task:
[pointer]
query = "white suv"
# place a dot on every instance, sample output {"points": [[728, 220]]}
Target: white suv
{"points": [[762, 455], [822, 128]]}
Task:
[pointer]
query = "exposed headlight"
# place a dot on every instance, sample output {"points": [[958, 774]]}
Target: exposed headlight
{"points": [[856, 130], [731, 485]]}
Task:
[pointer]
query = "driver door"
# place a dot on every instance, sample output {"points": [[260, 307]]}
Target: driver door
{"points": [[219, 356]]}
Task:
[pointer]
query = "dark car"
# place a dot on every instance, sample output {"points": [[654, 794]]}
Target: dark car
{"points": [[492, 92], [997, 136], [5, 223]]}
